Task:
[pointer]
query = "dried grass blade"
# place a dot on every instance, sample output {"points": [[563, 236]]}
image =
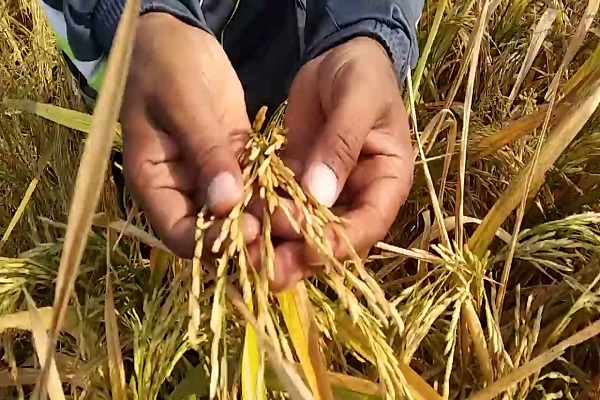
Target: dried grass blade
{"points": [[453, 134], [40, 342], [533, 366], [22, 320], [92, 170], [477, 336], [132, 231], [512, 132], [115, 359], [476, 38], [439, 216], [590, 65], [26, 197], [299, 319], [558, 139], [418, 387], [574, 45], [540, 32]]}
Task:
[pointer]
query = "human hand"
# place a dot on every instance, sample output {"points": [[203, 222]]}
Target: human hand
{"points": [[184, 123], [349, 142]]}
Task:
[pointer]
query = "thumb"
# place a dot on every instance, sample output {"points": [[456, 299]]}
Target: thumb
{"points": [[339, 144], [208, 147]]}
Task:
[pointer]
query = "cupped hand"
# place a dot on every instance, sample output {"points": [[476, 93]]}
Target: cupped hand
{"points": [[349, 142], [184, 123]]}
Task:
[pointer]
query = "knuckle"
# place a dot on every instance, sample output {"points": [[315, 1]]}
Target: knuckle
{"points": [[205, 155], [346, 149]]}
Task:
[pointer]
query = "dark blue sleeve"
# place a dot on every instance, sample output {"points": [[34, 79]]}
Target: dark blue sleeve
{"points": [[88, 26], [108, 12], [391, 22]]}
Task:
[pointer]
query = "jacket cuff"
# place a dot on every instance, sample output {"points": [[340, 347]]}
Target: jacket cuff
{"points": [[107, 14], [395, 41]]}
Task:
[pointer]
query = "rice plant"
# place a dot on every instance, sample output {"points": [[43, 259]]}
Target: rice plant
{"points": [[485, 288]]}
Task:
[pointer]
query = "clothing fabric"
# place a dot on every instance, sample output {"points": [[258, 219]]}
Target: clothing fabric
{"points": [[267, 41]]}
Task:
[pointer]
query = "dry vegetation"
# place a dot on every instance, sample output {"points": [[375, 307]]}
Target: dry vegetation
{"points": [[488, 285]]}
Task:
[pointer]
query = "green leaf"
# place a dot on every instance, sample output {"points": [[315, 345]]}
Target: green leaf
{"points": [[69, 118], [298, 317]]}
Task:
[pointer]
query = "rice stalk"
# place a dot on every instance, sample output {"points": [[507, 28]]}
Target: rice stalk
{"points": [[557, 141], [540, 32], [537, 363], [91, 173], [115, 359], [55, 391], [574, 45]]}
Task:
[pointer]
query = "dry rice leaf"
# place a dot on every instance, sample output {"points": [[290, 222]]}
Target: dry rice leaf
{"points": [[558, 139], [574, 45], [252, 384], [539, 34], [40, 342], [417, 254], [130, 231], [115, 359], [22, 320], [69, 118], [536, 364], [515, 130], [590, 65], [30, 189], [429, 181], [478, 337], [92, 170], [419, 388], [476, 37], [299, 319]]}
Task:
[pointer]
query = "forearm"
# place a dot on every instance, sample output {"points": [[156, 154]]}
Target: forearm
{"points": [[391, 22]]}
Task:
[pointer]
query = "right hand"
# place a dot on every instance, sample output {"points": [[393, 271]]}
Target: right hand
{"points": [[184, 123]]}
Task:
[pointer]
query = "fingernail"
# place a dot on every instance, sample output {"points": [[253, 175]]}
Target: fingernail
{"points": [[223, 189], [322, 184]]}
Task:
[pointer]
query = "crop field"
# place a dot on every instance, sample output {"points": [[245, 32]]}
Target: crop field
{"points": [[487, 286]]}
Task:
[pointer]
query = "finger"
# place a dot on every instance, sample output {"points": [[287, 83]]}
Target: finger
{"points": [[354, 113], [281, 227], [250, 229], [303, 117], [290, 266], [290, 263], [286, 220], [373, 211], [207, 144], [162, 185]]}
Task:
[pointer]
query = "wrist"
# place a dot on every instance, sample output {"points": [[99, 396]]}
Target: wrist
{"points": [[163, 27], [395, 43]]}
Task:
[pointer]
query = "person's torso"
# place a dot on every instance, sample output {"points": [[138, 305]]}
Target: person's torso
{"points": [[263, 39]]}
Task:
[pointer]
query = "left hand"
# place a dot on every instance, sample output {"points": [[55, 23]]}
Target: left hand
{"points": [[349, 143]]}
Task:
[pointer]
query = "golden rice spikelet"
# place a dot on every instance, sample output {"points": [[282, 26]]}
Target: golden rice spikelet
{"points": [[267, 177]]}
